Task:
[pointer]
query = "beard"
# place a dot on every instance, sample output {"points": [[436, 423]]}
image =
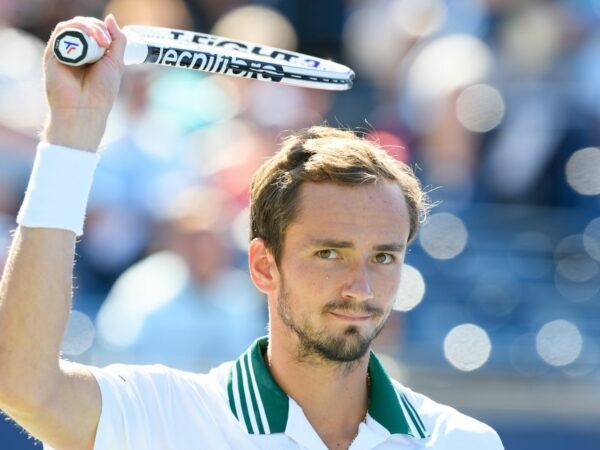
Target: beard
{"points": [[348, 347]]}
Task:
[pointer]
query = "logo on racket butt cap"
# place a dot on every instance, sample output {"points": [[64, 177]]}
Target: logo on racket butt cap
{"points": [[71, 47]]}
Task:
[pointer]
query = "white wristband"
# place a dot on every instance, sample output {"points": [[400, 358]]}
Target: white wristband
{"points": [[58, 189]]}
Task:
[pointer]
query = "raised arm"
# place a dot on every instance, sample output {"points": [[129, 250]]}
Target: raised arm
{"points": [[57, 402]]}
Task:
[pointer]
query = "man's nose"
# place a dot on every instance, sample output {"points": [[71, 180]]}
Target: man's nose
{"points": [[358, 284]]}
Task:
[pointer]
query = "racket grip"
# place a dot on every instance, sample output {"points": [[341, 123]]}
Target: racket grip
{"points": [[75, 48]]}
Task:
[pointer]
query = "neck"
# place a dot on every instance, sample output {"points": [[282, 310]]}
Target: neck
{"points": [[333, 396]]}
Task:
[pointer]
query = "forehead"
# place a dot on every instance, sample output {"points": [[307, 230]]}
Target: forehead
{"points": [[367, 213]]}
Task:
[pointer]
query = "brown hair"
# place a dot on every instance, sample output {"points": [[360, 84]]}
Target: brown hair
{"points": [[322, 153]]}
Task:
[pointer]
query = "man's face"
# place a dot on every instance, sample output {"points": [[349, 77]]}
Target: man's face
{"points": [[340, 267]]}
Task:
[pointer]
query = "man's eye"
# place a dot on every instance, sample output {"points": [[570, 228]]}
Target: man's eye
{"points": [[384, 258], [327, 254]]}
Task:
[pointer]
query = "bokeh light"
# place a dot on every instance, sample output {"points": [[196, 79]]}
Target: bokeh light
{"points": [[467, 347], [572, 261], [559, 343], [419, 18], [438, 71], [587, 361], [274, 30], [577, 292], [480, 108], [370, 55], [444, 236], [591, 239], [411, 290], [577, 275], [80, 334], [583, 171], [533, 38], [462, 59]]}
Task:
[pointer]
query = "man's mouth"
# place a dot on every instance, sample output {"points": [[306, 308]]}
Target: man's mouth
{"points": [[351, 316]]}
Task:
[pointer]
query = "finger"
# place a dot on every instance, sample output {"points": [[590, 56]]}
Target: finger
{"points": [[97, 30], [94, 28], [101, 35], [119, 40], [83, 25]]}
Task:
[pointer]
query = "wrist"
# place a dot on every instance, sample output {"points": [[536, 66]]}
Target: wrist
{"points": [[78, 129], [58, 189]]}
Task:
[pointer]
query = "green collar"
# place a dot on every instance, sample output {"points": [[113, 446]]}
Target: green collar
{"points": [[262, 407]]}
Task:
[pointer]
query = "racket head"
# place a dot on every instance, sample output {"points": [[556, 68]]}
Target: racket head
{"points": [[150, 33], [248, 59]]}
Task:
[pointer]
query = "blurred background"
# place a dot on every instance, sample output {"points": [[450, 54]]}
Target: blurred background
{"points": [[495, 103]]}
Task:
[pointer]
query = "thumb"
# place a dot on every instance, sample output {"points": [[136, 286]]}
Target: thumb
{"points": [[119, 40]]}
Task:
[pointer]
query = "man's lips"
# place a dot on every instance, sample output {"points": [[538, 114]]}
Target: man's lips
{"points": [[350, 316]]}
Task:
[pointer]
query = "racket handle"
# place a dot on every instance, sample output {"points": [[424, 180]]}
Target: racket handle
{"points": [[75, 48]]}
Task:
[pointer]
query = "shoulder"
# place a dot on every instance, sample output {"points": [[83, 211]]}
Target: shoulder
{"points": [[142, 405], [159, 382], [450, 428]]}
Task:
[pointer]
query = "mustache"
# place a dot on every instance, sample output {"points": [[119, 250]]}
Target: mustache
{"points": [[345, 306]]}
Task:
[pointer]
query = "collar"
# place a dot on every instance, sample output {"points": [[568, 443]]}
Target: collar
{"points": [[261, 406]]}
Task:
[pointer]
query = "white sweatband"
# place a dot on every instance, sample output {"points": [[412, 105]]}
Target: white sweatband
{"points": [[58, 189]]}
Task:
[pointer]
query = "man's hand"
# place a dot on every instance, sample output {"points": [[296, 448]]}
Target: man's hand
{"points": [[80, 98]]}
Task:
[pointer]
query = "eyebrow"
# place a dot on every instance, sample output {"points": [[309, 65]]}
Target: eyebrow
{"points": [[332, 243], [392, 247]]}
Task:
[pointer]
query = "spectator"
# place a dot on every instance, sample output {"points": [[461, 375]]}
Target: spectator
{"points": [[201, 310]]}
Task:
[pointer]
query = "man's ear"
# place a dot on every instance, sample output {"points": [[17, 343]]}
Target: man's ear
{"points": [[262, 266]]}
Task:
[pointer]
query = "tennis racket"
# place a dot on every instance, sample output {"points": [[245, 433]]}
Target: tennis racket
{"points": [[208, 53]]}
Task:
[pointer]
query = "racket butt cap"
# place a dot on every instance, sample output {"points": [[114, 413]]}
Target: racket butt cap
{"points": [[75, 48]]}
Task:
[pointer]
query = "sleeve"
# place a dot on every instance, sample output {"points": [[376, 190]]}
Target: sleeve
{"points": [[132, 414], [495, 441], [473, 434], [452, 429]]}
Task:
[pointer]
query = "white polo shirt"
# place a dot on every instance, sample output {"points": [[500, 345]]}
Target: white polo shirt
{"points": [[238, 406]]}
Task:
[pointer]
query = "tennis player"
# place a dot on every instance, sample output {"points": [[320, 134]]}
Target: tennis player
{"points": [[331, 218]]}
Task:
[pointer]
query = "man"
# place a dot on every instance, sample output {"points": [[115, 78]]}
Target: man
{"points": [[331, 216]]}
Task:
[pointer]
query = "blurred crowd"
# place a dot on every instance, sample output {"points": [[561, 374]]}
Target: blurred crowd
{"points": [[495, 103]]}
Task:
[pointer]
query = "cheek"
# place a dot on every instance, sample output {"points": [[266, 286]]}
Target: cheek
{"points": [[387, 286], [305, 273], [312, 281]]}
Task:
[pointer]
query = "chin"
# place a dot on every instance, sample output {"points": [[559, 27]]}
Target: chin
{"points": [[350, 346]]}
